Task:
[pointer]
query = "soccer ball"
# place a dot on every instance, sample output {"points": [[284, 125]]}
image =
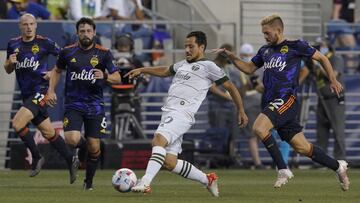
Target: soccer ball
{"points": [[124, 179]]}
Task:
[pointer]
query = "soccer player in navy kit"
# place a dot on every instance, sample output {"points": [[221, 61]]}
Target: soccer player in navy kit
{"points": [[281, 60], [27, 55], [86, 64]]}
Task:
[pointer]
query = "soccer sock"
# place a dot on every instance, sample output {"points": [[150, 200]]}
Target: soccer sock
{"points": [[319, 156], [91, 166], [274, 151], [154, 165], [59, 144], [189, 171], [82, 149], [29, 142]]}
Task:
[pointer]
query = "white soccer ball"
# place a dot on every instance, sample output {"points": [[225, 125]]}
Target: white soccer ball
{"points": [[124, 179]]}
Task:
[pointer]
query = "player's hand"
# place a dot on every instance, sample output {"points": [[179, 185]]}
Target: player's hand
{"points": [[12, 58], [218, 51], [133, 73], [243, 119], [51, 98], [336, 87], [98, 74], [47, 75]]}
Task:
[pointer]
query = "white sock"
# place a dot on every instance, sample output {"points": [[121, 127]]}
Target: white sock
{"points": [[189, 171], [154, 165]]}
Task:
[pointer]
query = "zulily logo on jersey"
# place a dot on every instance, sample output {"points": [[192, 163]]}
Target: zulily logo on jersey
{"points": [[275, 63], [183, 76], [83, 75], [28, 63]]}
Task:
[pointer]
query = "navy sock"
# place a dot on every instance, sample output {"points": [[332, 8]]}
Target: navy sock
{"points": [[319, 156], [91, 166], [82, 149], [274, 151], [29, 142], [59, 144]]}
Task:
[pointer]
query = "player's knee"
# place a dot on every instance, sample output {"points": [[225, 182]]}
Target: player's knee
{"points": [[48, 133], [71, 140], [259, 132], [303, 149], [169, 164], [16, 125], [159, 140]]}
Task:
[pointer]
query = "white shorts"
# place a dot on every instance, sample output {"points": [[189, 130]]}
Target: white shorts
{"points": [[173, 126]]}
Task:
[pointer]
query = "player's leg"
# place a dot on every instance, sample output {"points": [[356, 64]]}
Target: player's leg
{"points": [[95, 128], [189, 171], [58, 143], [93, 147], [261, 128], [19, 123], [154, 165], [284, 147], [302, 146]]}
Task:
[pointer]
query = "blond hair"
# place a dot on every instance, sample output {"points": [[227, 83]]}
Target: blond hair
{"points": [[273, 19]]}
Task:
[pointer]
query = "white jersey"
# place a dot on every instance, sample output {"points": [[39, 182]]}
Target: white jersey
{"points": [[190, 85]]}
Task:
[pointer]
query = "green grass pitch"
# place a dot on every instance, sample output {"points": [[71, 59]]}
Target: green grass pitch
{"points": [[308, 186]]}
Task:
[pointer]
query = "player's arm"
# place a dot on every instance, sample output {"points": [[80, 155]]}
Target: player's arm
{"points": [[54, 80], [325, 63], [160, 71], [10, 63], [235, 95], [217, 91], [246, 67]]}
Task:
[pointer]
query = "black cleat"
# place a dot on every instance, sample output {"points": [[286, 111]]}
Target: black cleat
{"points": [[36, 166], [73, 169], [87, 185]]}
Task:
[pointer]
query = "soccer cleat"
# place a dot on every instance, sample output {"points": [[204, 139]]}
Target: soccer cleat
{"points": [[73, 169], [284, 175], [212, 185], [36, 166], [87, 186], [141, 187], [342, 175]]}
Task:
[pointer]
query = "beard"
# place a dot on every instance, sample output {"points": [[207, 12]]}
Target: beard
{"points": [[86, 42]]}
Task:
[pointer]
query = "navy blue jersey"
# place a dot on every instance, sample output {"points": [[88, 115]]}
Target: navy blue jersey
{"points": [[82, 91], [281, 65], [32, 63]]}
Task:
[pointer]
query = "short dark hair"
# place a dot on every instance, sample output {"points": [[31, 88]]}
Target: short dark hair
{"points": [[200, 38], [85, 20]]}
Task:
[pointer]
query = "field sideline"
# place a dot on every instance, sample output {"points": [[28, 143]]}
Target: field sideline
{"points": [[235, 186]]}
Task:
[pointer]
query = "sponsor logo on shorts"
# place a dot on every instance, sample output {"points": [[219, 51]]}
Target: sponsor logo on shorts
{"points": [[168, 119], [65, 122]]}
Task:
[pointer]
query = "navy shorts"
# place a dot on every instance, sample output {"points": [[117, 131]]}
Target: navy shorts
{"points": [[283, 114], [94, 125], [37, 105]]}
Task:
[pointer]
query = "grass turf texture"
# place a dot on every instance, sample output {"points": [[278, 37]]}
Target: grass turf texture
{"points": [[235, 186]]}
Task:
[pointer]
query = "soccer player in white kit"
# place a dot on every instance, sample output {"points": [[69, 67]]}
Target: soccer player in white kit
{"points": [[192, 79]]}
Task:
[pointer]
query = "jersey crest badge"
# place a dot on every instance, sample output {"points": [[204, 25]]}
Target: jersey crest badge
{"points": [[284, 49], [94, 61], [35, 49], [195, 67]]}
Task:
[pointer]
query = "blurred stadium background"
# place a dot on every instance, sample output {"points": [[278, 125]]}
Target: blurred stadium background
{"points": [[167, 23]]}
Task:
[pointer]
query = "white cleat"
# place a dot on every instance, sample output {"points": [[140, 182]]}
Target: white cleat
{"points": [[213, 184], [141, 187], [284, 175], [342, 175]]}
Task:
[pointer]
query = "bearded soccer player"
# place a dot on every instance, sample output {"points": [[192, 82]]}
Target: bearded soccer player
{"points": [[28, 55], [280, 58], [89, 67], [192, 79]]}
